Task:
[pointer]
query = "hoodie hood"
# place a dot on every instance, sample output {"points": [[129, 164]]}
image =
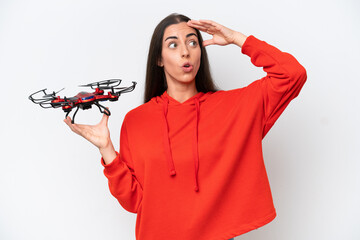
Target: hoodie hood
{"points": [[165, 101]]}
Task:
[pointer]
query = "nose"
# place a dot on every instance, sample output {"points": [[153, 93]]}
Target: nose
{"points": [[185, 52]]}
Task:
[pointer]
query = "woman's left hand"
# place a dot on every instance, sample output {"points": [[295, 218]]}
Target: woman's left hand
{"points": [[221, 35]]}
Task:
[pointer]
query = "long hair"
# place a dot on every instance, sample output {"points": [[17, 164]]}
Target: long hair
{"points": [[155, 83]]}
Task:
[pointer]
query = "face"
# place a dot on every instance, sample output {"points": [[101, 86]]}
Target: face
{"points": [[180, 54]]}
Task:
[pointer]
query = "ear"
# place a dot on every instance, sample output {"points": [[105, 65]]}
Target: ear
{"points": [[160, 63]]}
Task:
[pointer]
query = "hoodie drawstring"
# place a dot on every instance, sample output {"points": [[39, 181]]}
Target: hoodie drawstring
{"points": [[167, 141], [195, 143]]}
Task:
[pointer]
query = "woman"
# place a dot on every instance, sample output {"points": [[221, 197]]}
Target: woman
{"points": [[190, 162]]}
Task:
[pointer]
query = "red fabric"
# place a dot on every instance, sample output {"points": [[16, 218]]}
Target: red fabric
{"points": [[213, 142]]}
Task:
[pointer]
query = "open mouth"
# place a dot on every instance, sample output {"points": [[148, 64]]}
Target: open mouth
{"points": [[187, 67]]}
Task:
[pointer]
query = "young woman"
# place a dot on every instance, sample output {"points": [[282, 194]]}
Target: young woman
{"points": [[190, 162]]}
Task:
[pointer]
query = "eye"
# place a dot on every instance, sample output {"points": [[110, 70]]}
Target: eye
{"points": [[172, 45], [193, 43]]}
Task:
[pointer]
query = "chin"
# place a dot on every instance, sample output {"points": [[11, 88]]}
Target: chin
{"points": [[188, 81]]}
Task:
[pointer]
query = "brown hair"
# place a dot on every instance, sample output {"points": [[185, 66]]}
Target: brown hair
{"points": [[155, 83]]}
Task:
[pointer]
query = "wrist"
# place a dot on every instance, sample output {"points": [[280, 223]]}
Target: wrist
{"points": [[108, 153], [239, 39]]}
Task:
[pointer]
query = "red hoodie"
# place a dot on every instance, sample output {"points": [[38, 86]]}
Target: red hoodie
{"points": [[195, 170]]}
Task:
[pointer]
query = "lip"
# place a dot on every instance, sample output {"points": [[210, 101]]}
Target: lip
{"points": [[187, 67]]}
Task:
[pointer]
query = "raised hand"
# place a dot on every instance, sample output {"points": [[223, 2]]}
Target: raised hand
{"points": [[221, 34]]}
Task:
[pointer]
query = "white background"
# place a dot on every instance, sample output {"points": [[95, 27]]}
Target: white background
{"points": [[51, 181]]}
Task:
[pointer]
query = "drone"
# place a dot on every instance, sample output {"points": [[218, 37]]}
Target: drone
{"points": [[83, 100]]}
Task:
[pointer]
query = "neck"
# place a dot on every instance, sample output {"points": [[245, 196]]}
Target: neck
{"points": [[183, 92]]}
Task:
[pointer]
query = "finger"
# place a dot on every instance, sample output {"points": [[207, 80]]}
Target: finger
{"points": [[201, 24], [74, 127], [104, 120], [197, 26], [207, 21], [206, 24], [207, 30], [67, 120], [211, 24], [193, 21]]}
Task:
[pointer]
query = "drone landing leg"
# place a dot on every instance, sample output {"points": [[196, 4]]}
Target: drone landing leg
{"points": [[103, 109], [73, 118], [67, 114]]}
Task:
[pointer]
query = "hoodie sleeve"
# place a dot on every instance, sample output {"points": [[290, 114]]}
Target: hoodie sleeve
{"points": [[122, 180], [283, 82]]}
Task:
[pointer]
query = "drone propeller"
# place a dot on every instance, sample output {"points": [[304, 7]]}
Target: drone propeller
{"points": [[53, 94], [105, 84], [46, 97], [126, 89], [49, 105], [111, 87]]}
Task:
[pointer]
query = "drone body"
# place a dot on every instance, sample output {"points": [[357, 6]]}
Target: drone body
{"points": [[84, 100]]}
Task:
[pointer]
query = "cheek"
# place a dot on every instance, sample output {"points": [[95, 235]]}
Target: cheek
{"points": [[168, 59], [198, 57]]}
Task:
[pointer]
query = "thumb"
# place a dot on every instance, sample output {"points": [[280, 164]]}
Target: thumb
{"points": [[104, 120], [208, 42]]}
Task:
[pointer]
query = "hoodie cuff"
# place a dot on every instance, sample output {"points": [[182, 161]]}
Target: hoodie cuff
{"points": [[247, 45], [112, 164]]}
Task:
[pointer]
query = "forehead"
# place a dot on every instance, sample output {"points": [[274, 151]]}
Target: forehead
{"points": [[178, 30]]}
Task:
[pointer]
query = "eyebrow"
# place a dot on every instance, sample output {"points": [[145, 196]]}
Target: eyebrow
{"points": [[188, 35]]}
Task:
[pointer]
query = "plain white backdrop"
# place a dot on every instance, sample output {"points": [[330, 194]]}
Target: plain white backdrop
{"points": [[51, 181]]}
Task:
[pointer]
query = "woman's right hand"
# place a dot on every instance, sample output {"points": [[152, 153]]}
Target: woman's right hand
{"points": [[98, 134]]}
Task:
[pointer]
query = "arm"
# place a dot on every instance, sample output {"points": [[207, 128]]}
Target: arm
{"points": [[121, 176], [285, 76], [118, 167], [284, 79]]}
